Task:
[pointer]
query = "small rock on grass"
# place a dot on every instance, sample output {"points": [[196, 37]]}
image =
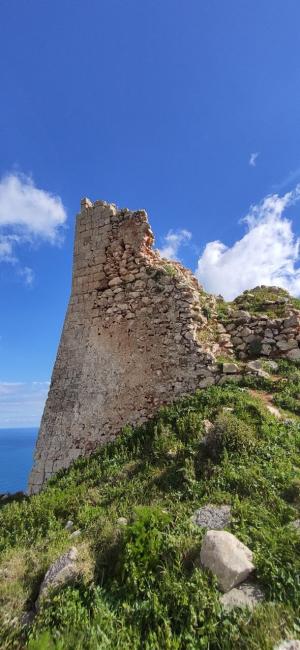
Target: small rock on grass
{"points": [[274, 411], [210, 516], [246, 595], [293, 644], [230, 368], [227, 558], [207, 425], [122, 521]]}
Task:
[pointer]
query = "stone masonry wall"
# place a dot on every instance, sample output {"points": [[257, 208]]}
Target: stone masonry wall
{"points": [[130, 342], [259, 335], [139, 332]]}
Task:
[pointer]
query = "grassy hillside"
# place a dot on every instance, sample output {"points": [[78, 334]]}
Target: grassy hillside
{"points": [[141, 584]]}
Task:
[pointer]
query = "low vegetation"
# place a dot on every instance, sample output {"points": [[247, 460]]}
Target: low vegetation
{"points": [[272, 301], [141, 584]]}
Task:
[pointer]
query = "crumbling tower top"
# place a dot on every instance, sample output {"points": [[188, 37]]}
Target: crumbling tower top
{"points": [[85, 203]]}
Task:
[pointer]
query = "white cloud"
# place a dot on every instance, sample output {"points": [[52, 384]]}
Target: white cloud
{"points": [[27, 274], [21, 403], [253, 158], [267, 254], [28, 215], [173, 241]]}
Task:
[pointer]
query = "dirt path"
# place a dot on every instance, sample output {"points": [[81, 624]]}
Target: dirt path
{"points": [[267, 399]]}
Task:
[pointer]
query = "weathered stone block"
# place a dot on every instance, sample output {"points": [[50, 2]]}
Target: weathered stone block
{"points": [[227, 558]]}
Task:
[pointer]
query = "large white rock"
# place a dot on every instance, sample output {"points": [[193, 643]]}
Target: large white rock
{"points": [[62, 571], [227, 558]]}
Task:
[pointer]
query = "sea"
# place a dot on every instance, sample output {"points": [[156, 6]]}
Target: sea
{"points": [[16, 455]]}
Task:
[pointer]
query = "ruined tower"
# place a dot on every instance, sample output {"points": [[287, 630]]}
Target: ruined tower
{"points": [[131, 340]]}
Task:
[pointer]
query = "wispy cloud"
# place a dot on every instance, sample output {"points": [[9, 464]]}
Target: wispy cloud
{"points": [[253, 158], [268, 253], [291, 177], [21, 403], [172, 243], [28, 216]]}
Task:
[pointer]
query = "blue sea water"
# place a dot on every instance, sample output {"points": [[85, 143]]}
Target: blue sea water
{"points": [[16, 454]]}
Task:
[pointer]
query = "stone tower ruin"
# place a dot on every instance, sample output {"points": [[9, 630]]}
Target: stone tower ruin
{"points": [[140, 332], [131, 340]]}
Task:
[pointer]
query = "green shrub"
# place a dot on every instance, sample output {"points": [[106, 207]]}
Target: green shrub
{"points": [[230, 434], [144, 543]]}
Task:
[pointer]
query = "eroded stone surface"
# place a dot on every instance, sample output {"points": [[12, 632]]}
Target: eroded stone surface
{"points": [[293, 644], [210, 516], [227, 558], [247, 595], [62, 571]]}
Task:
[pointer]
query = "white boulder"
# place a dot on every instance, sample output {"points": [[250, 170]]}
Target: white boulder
{"points": [[227, 558]]}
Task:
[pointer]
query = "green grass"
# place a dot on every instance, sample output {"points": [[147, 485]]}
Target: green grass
{"points": [[142, 586]]}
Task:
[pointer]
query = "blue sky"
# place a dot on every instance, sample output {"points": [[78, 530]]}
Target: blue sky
{"points": [[187, 109]]}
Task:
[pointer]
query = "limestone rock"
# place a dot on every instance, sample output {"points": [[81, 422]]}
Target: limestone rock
{"points": [[241, 316], [293, 355], [210, 516], [230, 368], [207, 381], [285, 346], [266, 349], [255, 365], [62, 571], [293, 644], [246, 595], [227, 558], [291, 321]]}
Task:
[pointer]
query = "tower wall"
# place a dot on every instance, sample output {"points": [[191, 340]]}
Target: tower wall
{"points": [[131, 340]]}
